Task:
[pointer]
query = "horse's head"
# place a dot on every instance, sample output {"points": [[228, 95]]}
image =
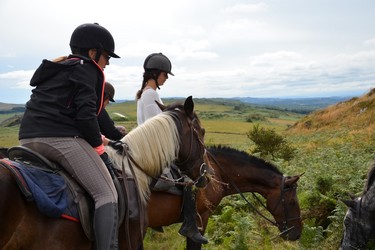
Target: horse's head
{"points": [[284, 206], [359, 229], [192, 151]]}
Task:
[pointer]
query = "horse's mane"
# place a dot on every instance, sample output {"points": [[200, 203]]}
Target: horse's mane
{"points": [[154, 145], [237, 154]]}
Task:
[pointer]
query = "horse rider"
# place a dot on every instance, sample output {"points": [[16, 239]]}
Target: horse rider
{"points": [[157, 67], [106, 124], [60, 122]]}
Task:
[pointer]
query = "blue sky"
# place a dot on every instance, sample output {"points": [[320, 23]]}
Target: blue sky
{"points": [[218, 48]]}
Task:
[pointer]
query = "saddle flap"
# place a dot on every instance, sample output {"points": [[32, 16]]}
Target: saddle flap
{"points": [[26, 155]]}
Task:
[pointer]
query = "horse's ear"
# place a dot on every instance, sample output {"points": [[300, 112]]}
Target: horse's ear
{"points": [[161, 106], [189, 106], [350, 203], [291, 180]]}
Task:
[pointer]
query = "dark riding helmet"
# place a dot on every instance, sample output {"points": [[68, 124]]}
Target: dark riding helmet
{"points": [[158, 61], [109, 92], [93, 36]]}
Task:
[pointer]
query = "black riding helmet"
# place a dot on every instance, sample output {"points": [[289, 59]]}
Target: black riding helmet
{"points": [[109, 92], [158, 61], [93, 36]]}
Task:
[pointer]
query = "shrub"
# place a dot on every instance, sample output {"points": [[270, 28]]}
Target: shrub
{"points": [[268, 143]]}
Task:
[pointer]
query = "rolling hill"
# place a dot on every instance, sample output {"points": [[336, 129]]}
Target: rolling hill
{"points": [[6, 108], [356, 114], [299, 105]]}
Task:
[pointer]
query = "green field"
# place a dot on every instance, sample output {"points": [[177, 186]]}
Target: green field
{"points": [[335, 163]]}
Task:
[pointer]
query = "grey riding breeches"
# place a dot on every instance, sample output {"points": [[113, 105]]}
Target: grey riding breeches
{"points": [[80, 160]]}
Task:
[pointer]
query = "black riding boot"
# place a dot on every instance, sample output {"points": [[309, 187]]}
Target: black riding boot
{"points": [[189, 227], [105, 227]]}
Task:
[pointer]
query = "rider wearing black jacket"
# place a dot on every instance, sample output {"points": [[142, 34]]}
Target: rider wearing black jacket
{"points": [[60, 122]]}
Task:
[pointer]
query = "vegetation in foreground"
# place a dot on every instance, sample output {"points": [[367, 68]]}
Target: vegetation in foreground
{"points": [[333, 147]]}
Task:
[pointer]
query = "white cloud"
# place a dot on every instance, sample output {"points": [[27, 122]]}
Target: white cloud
{"points": [[370, 42], [218, 48], [16, 79], [247, 8]]}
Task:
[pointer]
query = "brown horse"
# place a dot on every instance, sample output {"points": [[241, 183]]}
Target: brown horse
{"points": [[235, 172], [175, 135]]}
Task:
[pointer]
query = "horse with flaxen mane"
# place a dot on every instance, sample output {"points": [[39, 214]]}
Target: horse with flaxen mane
{"points": [[235, 172], [175, 135]]}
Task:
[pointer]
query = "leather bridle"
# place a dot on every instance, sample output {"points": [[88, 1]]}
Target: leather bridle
{"points": [[283, 225], [203, 169]]}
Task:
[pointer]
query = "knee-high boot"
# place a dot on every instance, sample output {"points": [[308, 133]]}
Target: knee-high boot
{"points": [[189, 227], [106, 227]]}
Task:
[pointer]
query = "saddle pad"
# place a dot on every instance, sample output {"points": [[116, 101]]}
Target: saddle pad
{"points": [[48, 190]]}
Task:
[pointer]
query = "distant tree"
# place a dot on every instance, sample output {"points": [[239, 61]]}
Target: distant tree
{"points": [[269, 143]]}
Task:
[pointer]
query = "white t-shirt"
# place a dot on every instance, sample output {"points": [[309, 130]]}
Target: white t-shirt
{"points": [[146, 106]]}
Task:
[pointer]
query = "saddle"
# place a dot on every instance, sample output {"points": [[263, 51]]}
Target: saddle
{"points": [[82, 202]]}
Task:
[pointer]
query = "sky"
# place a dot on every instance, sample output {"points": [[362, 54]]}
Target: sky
{"points": [[218, 48]]}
